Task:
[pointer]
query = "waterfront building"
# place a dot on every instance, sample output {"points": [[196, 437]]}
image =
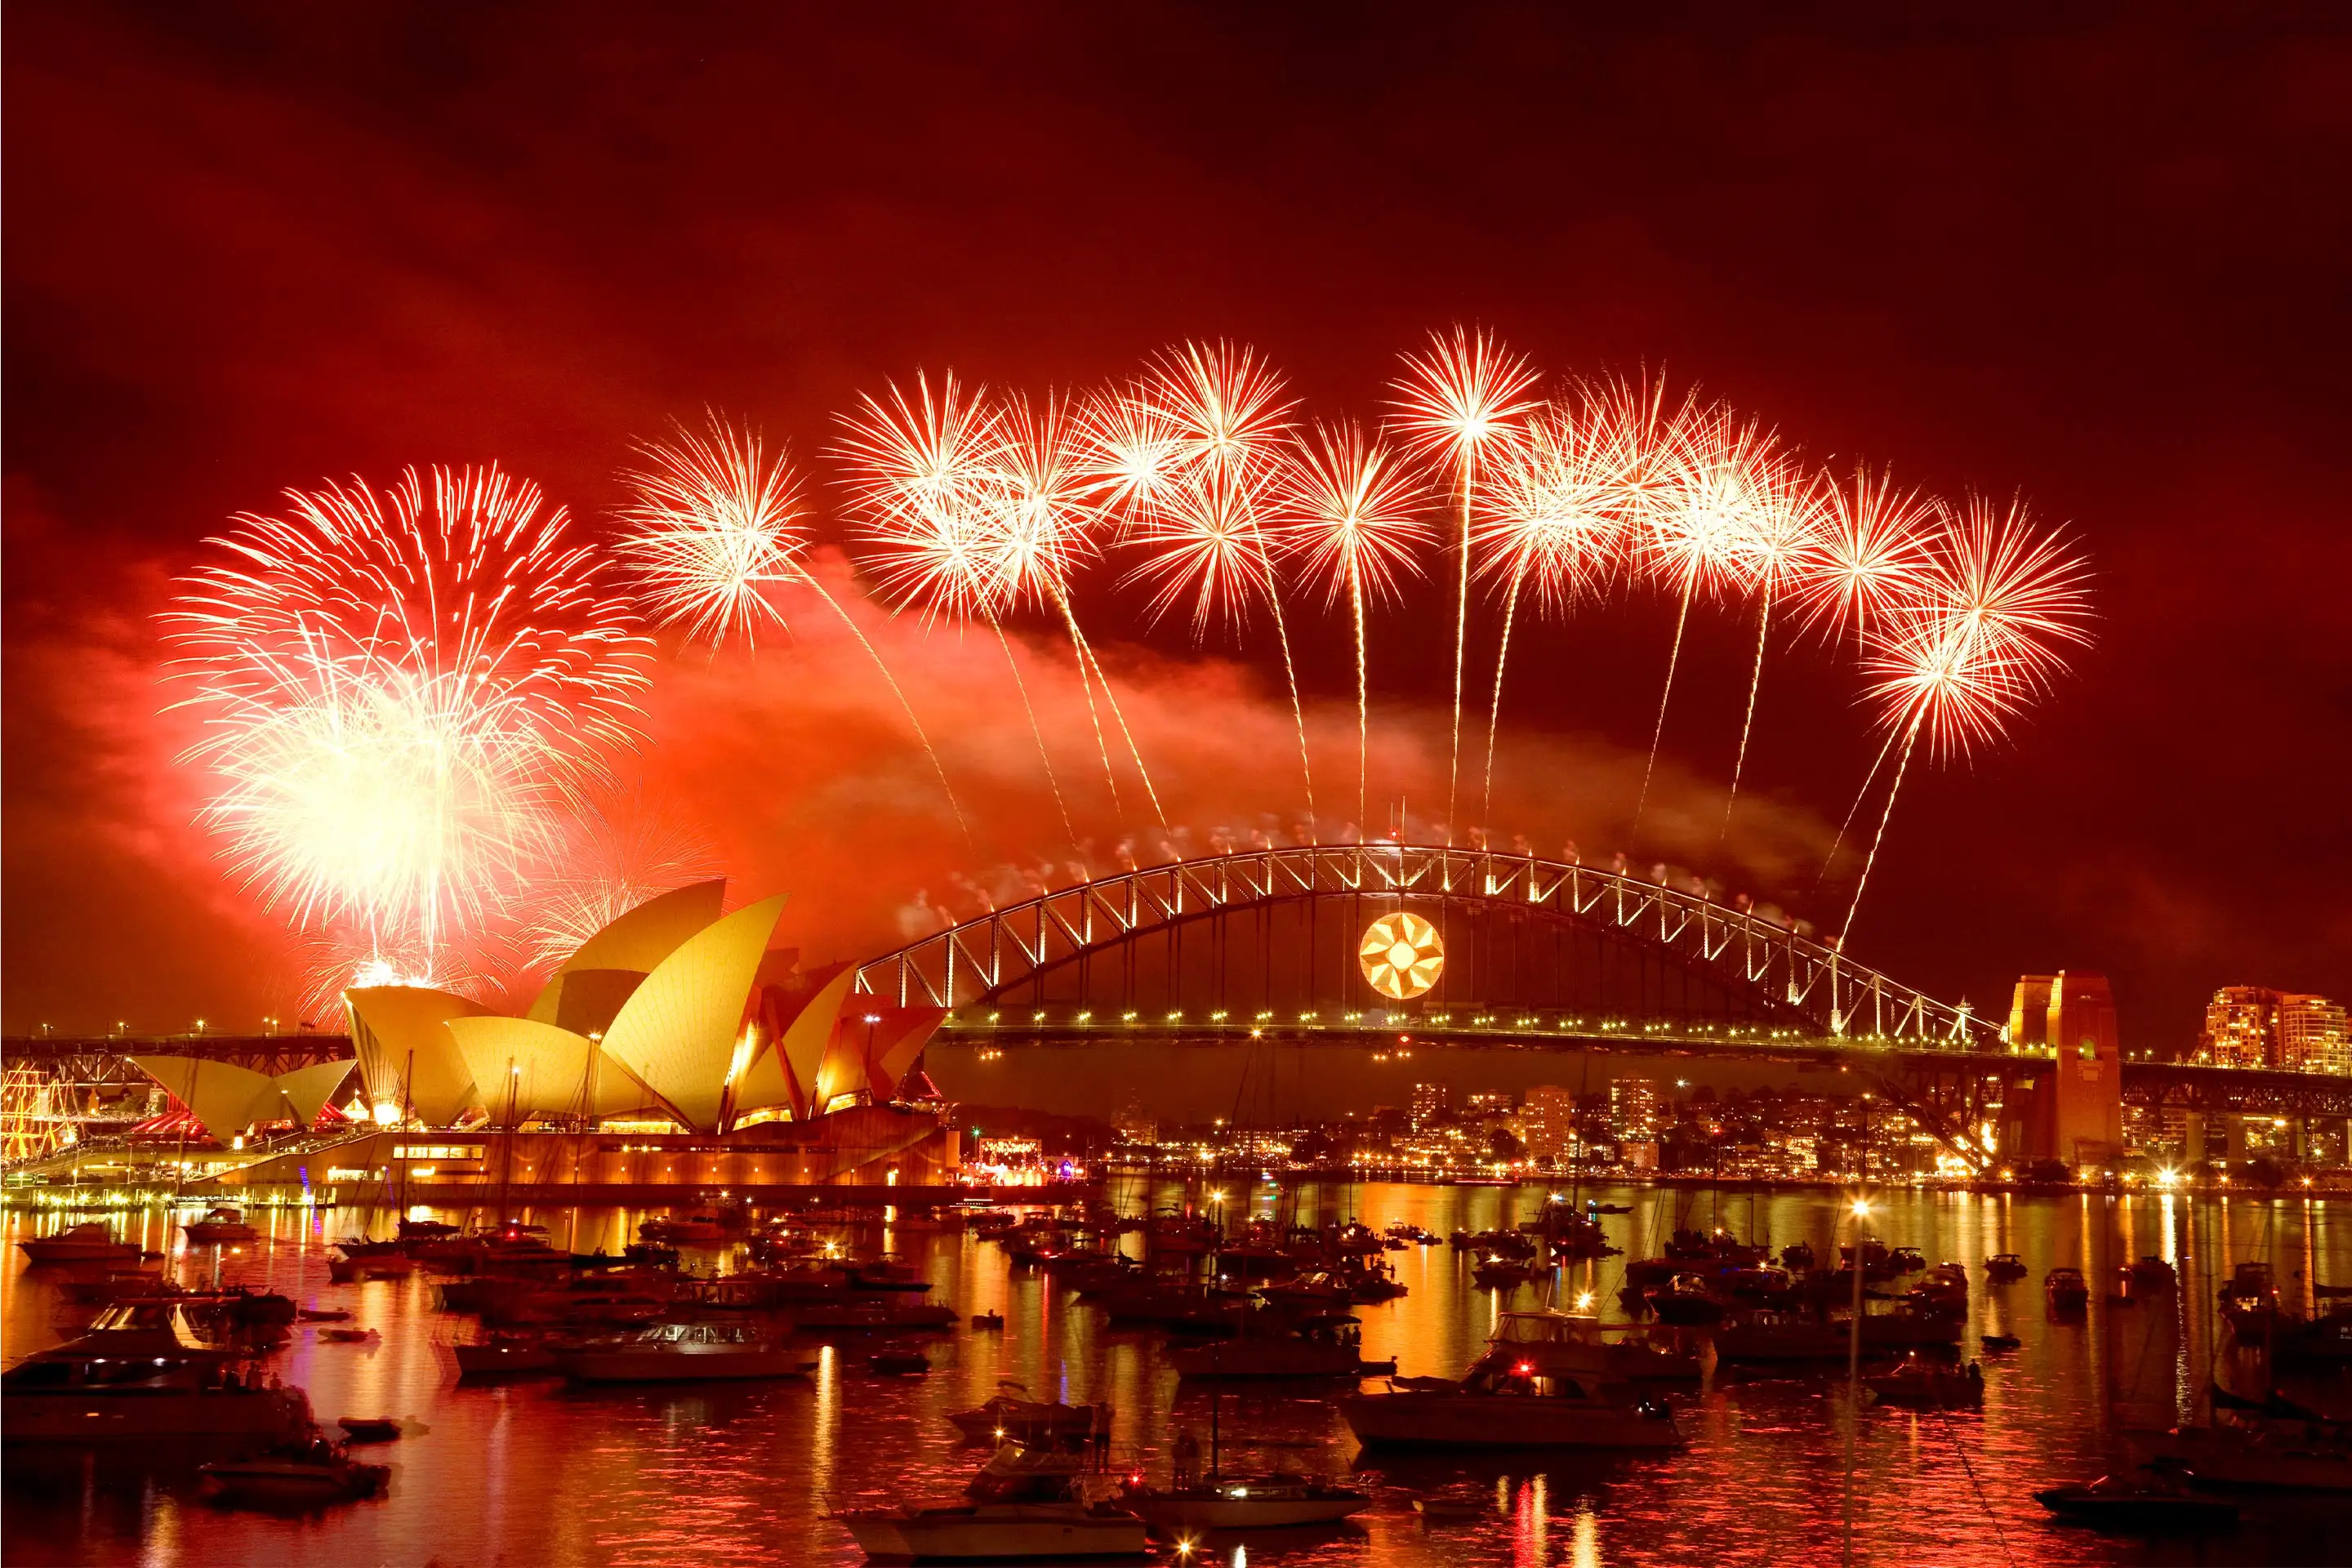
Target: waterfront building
{"points": [[1548, 1122], [1429, 1104], [2241, 1027], [675, 1044], [1633, 1109], [2311, 1035]]}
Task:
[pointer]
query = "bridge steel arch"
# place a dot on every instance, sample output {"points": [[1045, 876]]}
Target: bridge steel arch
{"points": [[1765, 970]]}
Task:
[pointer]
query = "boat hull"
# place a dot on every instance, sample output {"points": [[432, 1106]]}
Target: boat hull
{"points": [[679, 1367], [1491, 1421], [38, 1251], [1246, 1514], [139, 1417], [994, 1534]]}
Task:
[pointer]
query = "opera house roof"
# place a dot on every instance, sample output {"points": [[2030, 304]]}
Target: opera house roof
{"points": [[675, 1010]]}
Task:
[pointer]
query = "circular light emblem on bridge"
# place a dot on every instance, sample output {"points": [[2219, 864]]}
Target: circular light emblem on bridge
{"points": [[1402, 956]]}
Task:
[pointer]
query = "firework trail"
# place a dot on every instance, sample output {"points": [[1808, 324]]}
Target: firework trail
{"points": [[710, 525], [1227, 414], [1348, 502], [1869, 555], [400, 690], [1459, 397], [1983, 640], [1782, 533], [1563, 499], [1723, 472]]}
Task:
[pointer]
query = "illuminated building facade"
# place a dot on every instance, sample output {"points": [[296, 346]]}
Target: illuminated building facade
{"points": [[2313, 1035], [2241, 1027], [1633, 1109], [1548, 1122], [1429, 1104]]}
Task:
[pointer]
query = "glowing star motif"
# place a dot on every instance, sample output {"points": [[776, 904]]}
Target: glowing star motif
{"points": [[1402, 956]]}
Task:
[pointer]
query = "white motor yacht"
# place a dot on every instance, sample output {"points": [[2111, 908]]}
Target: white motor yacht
{"points": [[684, 1352], [89, 1242], [1266, 1502]]}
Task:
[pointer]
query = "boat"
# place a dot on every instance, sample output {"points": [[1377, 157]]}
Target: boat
{"points": [[1687, 1301], [348, 1336], [313, 1472], [505, 1356], [2137, 1508], [2153, 1274], [1014, 1417], [1923, 1385], [1265, 1503], [89, 1242], [886, 1273], [219, 1227], [2254, 1454], [1999, 1341], [2326, 1340], [1545, 1381], [1449, 1510], [683, 1352], [988, 1320], [1769, 1336], [427, 1230], [1329, 1345], [1026, 1509], [2002, 1268], [899, 1360], [2249, 1299], [1501, 1273], [143, 1374], [874, 1314], [368, 1428], [2067, 1290], [695, 1230]]}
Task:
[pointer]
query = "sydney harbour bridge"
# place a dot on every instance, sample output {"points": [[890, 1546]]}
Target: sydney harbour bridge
{"points": [[1517, 953]]}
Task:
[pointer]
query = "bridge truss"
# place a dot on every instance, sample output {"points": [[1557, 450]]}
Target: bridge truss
{"points": [[1544, 943]]}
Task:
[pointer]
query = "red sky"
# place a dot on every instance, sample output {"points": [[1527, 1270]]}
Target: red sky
{"points": [[2099, 261]]}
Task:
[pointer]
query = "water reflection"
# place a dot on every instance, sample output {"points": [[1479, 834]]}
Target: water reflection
{"points": [[529, 1472]]}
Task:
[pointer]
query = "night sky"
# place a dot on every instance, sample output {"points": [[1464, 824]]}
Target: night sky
{"points": [[2095, 260]]}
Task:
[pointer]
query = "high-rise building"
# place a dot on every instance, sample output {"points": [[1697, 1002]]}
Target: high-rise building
{"points": [[1633, 1108], [1478, 1106], [1548, 1122], [1429, 1102], [2313, 1035], [1135, 1125], [2241, 1027]]}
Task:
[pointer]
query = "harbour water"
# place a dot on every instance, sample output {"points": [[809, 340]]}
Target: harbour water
{"points": [[533, 1472]]}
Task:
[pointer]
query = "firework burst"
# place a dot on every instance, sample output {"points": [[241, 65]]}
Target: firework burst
{"points": [[710, 524], [1562, 501], [1227, 419], [1459, 400], [1350, 506], [1999, 604], [1724, 476], [399, 690], [711, 527]]}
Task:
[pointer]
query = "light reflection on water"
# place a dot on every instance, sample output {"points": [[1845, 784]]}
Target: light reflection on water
{"points": [[530, 1472]]}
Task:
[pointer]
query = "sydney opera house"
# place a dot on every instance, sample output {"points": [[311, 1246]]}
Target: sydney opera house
{"points": [[675, 1051]]}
